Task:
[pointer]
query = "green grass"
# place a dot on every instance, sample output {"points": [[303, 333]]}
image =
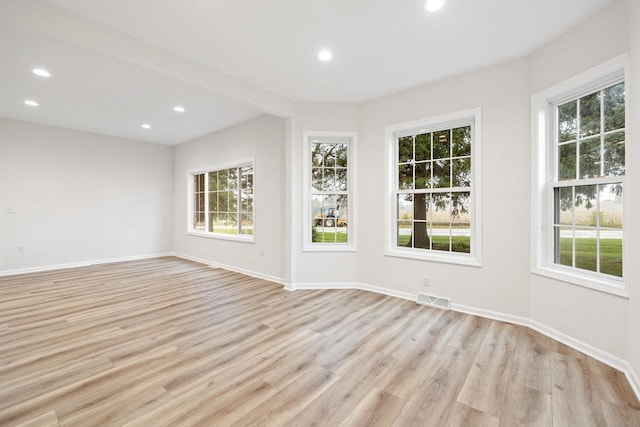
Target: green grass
{"points": [[610, 255], [225, 230], [441, 243], [329, 237]]}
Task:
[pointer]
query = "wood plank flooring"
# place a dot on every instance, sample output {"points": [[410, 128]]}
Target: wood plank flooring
{"points": [[168, 342]]}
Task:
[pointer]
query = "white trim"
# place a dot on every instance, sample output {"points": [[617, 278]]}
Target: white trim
{"points": [[251, 273], [324, 285], [591, 351], [79, 264], [541, 177], [473, 116], [390, 292], [445, 257], [613, 287], [633, 378], [490, 314], [241, 238], [351, 138], [350, 285]]}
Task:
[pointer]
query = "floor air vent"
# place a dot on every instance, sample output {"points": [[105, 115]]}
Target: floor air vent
{"points": [[433, 301]]}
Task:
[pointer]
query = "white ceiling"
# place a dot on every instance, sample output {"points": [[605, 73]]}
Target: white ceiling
{"points": [[239, 58], [96, 93]]}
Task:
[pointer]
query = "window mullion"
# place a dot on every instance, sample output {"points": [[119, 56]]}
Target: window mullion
{"points": [[578, 138], [206, 202], [239, 199], [573, 227], [598, 228], [601, 134]]}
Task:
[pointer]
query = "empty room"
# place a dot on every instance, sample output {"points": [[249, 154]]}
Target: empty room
{"points": [[319, 213]]}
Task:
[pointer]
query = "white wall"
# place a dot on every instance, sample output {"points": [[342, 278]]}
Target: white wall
{"points": [[80, 197], [263, 140], [633, 160], [501, 284], [602, 36], [318, 267], [590, 316]]}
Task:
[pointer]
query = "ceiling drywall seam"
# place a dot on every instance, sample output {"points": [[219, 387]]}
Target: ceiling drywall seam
{"points": [[56, 23]]}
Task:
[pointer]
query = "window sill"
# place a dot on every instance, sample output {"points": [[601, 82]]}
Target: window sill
{"points": [[613, 287], [448, 257], [321, 247], [219, 236]]}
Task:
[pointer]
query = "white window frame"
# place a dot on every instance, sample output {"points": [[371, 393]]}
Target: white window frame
{"points": [[543, 174], [247, 238], [352, 140], [446, 121]]}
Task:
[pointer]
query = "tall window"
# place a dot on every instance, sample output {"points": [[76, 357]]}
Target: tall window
{"points": [[222, 202], [589, 181], [329, 202], [578, 176], [433, 189]]}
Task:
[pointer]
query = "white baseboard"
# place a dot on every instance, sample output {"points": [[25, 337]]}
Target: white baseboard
{"points": [[633, 378], [386, 291], [321, 285], [489, 314], [80, 264], [588, 349], [350, 285], [255, 274], [598, 354]]}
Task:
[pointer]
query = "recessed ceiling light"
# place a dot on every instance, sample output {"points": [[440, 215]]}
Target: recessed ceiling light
{"points": [[146, 126], [41, 72], [178, 109], [433, 5], [31, 103], [324, 55]]}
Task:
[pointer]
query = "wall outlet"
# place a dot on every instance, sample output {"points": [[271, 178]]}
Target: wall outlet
{"points": [[427, 282], [20, 249], [261, 252]]}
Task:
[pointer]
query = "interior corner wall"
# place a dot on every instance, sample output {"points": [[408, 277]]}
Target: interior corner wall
{"points": [[633, 160], [263, 140], [595, 318], [319, 268], [80, 197], [501, 284]]}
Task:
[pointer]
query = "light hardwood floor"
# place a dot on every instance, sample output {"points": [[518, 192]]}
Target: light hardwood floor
{"points": [[168, 342]]}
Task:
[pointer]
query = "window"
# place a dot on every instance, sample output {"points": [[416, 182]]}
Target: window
{"points": [[434, 174], [580, 138], [329, 205], [590, 152], [222, 202]]}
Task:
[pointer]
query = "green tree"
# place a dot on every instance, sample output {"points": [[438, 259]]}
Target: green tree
{"points": [[434, 160]]}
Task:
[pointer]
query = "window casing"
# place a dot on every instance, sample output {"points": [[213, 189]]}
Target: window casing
{"points": [[329, 183], [433, 172], [221, 202], [579, 140]]}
